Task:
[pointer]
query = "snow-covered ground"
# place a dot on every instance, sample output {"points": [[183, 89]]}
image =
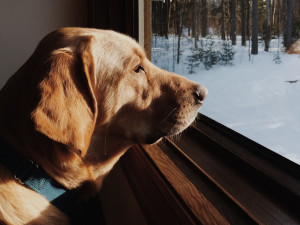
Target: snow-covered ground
{"points": [[257, 98]]}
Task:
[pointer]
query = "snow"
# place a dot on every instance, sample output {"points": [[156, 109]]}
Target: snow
{"points": [[252, 97]]}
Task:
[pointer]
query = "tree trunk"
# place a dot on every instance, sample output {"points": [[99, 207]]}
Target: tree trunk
{"points": [[277, 17], [288, 35], [222, 21], [195, 27], [167, 19], [248, 20], [178, 46], [180, 26], [194, 18], [268, 26], [204, 18], [233, 22], [254, 50], [273, 13], [243, 23], [228, 19], [284, 20]]}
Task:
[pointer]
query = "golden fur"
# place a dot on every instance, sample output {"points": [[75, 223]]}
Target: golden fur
{"points": [[80, 101]]}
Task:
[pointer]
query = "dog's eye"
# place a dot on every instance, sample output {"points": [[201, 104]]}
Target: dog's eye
{"points": [[139, 69]]}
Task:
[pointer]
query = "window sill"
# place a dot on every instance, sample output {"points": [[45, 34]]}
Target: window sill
{"points": [[213, 175]]}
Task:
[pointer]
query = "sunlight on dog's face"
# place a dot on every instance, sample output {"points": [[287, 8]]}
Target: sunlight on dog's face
{"points": [[142, 102]]}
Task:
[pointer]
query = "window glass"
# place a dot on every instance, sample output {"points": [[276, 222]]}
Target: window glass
{"points": [[239, 50]]}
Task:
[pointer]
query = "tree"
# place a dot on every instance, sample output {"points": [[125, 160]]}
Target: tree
{"points": [[288, 34], [222, 20], [181, 8], [254, 49], [296, 21], [204, 12], [243, 22], [268, 26], [167, 8], [195, 21], [233, 22], [248, 19], [277, 18]]}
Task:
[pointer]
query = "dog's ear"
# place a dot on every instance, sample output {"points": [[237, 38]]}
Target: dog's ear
{"points": [[67, 109]]}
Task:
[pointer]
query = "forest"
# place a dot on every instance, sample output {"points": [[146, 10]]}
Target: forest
{"points": [[237, 49], [253, 20]]}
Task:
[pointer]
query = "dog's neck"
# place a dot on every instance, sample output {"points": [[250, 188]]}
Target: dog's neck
{"points": [[102, 157]]}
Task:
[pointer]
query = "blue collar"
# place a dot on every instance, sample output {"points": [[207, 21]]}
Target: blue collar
{"points": [[34, 177]]}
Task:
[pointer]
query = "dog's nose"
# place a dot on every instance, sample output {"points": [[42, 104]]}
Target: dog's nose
{"points": [[199, 94]]}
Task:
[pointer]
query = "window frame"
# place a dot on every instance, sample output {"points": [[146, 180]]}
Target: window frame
{"points": [[241, 183]]}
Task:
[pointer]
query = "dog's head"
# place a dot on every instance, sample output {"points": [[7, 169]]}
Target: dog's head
{"points": [[101, 84]]}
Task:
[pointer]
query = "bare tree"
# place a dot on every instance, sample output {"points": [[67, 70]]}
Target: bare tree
{"points": [[204, 12], [180, 7], [267, 26], [233, 22], [167, 2], [283, 19], [254, 49], [243, 22], [277, 17], [273, 10], [196, 21], [227, 18], [248, 9], [222, 20], [288, 34]]}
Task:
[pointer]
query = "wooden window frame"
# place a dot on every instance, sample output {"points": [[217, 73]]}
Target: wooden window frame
{"points": [[211, 174]]}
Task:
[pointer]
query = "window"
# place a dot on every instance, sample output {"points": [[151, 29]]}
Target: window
{"points": [[212, 174], [253, 94]]}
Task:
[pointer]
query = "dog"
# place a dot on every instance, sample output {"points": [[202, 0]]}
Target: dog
{"points": [[78, 103]]}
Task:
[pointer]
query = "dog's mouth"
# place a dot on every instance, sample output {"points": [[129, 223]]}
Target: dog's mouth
{"points": [[176, 129], [174, 125]]}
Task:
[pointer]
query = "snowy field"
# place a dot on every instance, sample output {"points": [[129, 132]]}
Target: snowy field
{"points": [[255, 97]]}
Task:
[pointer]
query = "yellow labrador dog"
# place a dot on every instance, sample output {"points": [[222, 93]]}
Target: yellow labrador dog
{"points": [[72, 110]]}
